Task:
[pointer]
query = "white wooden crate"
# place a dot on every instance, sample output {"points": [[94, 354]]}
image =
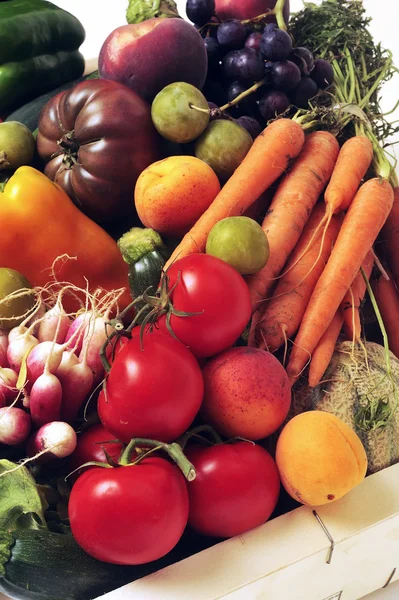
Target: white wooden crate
{"points": [[285, 559]]}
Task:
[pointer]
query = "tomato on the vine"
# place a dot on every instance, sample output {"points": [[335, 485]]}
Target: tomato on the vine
{"points": [[206, 285], [236, 488], [129, 515], [153, 390], [90, 447]]}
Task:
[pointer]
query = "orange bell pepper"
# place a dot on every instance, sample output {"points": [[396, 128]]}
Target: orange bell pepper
{"points": [[39, 223]]}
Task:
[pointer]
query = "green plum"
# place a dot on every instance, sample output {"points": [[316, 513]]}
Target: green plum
{"points": [[19, 307], [17, 145], [173, 114], [241, 242], [223, 145]]}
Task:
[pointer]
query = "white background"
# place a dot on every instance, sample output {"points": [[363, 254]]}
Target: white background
{"points": [[100, 17]]}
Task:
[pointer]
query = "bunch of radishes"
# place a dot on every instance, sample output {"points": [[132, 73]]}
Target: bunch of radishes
{"points": [[49, 366]]}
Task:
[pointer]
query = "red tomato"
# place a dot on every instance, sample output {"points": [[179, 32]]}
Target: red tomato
{"points": [[236, 488], [89, 449], [209, 286], [154, 392], [129, 515]]}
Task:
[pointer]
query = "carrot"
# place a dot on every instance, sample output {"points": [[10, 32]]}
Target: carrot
{"points": [[387, 297], [353, 161], [350, 305], [267, 159], [365, 217], [390, 235], [282, 315], [324, 350], [291, 206]]}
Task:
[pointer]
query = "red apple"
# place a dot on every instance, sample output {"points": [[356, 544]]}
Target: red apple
{"points": [[148, 56], [246, 9]]}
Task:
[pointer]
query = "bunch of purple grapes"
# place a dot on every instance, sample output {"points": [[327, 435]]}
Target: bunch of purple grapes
{"points": [[240, 55]]}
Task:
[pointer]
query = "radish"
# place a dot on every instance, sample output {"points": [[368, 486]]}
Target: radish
{"points": [[55, 439], [54, 325], [19, 345], [76, 331], [8, 382], [45, 399], [96, 336], [68, 360], [3, 347], [44, 353], [76, 385], [14, 425]]}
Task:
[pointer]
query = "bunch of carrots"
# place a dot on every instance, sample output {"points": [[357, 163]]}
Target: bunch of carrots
{"points": [[321, 225]]}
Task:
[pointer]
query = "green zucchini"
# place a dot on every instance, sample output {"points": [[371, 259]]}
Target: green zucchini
{"points": [[38, 51], [43, 565], [29, 114], [146, 255]]}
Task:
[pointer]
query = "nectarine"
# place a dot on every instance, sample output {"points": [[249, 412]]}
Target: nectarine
{"points": [[171, 194], [247, 393], [246, 9], [148, 56]]}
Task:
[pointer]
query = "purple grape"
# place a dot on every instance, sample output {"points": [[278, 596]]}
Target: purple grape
{"points": [[213, 51], [245, 65], [303, 92], [322, 73], [303, 58], [251, 125], [214, 92], [273, 103], [284, 75], [275, 44], [246, 105], [253, 40], [231, 34], [200, 11]]}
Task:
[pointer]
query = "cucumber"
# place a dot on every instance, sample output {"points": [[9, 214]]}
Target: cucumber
{"points": [[29, 113]]}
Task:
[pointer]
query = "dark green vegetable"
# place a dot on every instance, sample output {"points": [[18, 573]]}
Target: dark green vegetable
{"points": [[38, 51], [146, 254], [29, 114], [51, 566]]}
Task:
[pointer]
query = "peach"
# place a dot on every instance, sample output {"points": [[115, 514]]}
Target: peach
{"points": [[247, 393], [148, 56], [319, 458], [171, 194]]}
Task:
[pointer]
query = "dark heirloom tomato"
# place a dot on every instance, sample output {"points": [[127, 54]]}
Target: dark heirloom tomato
{"points": [[96, 140]]}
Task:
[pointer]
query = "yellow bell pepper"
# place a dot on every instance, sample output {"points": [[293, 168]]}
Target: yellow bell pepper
{"points": [[40, 224]]}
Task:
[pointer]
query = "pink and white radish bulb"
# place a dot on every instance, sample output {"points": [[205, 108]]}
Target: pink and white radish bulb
{"points": [[52, 440], [15, 425]]}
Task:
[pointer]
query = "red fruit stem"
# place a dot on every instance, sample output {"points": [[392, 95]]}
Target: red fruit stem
{"points": [[173, 450]]}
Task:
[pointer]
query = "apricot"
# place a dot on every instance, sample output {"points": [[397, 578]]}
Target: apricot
{"points": [[171, 194], [319, 458]]}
